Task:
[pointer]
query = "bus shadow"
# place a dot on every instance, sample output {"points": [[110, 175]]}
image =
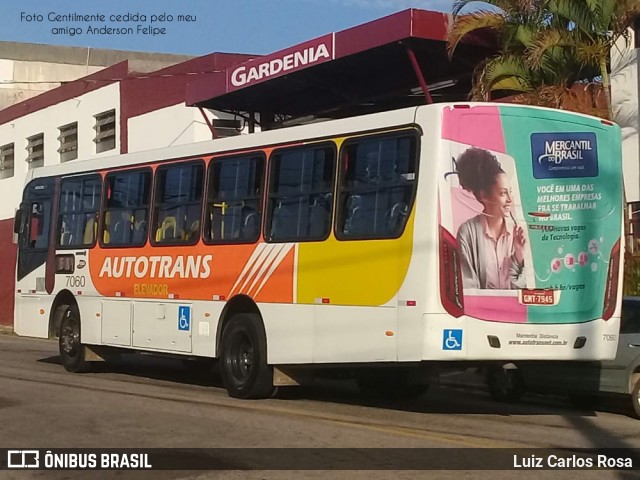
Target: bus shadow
{"points": [[441, 398], [444, 397], [173, 370]]}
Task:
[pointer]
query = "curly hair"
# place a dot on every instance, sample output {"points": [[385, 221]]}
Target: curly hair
{"points": [[477, 170]]}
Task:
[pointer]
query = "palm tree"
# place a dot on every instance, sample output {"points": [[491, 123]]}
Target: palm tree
{"points": [[547, 47], [587, 30], [515, 25]]}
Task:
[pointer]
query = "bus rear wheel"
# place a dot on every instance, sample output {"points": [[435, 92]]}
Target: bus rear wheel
{"points": [[71, 348], [243, 358]]}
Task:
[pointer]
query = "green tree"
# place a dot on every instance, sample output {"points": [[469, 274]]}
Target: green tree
{"points": [[546, 49], [587, 30]]}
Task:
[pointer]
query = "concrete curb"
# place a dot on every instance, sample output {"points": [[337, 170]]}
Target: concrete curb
{"points": [[6, 330]]}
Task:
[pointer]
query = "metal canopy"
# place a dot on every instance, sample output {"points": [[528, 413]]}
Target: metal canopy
{"points": [[364, 69]]}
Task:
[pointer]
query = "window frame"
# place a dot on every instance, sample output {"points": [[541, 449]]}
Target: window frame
{"points": [[5, 151], [102, 119], [339, 220], [268, 216], [154, 206], [104, 209], [32, 156], [68, 131], [260, 198]]}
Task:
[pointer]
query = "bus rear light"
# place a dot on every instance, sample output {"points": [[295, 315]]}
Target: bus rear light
{"points": [[411, 303], [450, 275], [174, 295], [119, 294], [219, 297], [611, 284]]}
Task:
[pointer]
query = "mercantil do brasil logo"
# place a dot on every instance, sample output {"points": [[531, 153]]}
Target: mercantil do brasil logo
{"points": [[564, 155]]}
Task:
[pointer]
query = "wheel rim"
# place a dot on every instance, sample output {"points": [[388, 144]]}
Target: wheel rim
{"points": [[241, 358], [70, 338]]}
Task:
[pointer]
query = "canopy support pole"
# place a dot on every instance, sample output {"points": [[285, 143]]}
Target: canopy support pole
{"points": [[418, 72]]}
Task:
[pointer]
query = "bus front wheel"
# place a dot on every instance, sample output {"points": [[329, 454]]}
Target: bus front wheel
{"points": [[243, 358], [71, 349]]}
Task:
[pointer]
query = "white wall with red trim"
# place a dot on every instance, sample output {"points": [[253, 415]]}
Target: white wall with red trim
{"points": [[173, 125], [81, 110]]}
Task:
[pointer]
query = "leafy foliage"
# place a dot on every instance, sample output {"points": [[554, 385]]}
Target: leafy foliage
{"points": [[547, 47], [631, 282]]}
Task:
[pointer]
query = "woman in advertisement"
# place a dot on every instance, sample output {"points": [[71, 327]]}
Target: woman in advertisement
{"points": [[491, 243]]}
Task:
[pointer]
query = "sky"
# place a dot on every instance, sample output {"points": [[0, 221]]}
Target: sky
{"points": [[234, 26]]}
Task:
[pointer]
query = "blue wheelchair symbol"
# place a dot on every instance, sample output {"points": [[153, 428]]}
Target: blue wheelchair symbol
{"points": [[452, 340], [184, 317]]}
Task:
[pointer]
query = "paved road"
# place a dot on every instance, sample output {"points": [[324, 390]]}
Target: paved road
{"points": [[149, 402]]}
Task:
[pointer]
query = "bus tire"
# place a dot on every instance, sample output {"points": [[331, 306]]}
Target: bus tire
{"points": [[505, 384], [71, 349], [635, 399], [243, 358]]}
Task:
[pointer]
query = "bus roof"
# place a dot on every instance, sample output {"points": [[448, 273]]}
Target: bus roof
{"points": [[290, 135]]}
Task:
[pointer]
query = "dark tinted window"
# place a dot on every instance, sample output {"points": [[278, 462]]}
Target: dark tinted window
{"points": [[234, 203], [377, 181], [301, 194], [78, 215], [630, 321], [38, 224], [126, 213], [178, 203]]}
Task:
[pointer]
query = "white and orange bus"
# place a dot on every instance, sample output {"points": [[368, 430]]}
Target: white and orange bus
{"points": [[355, 243]]}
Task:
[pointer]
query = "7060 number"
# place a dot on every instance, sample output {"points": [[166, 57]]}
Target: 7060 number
{"points": [[76, 281]]}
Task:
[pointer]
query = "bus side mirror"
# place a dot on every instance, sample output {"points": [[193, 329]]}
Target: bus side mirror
{"points": [[17, 222]]}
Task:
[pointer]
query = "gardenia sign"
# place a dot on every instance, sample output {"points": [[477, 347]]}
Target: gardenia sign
{"points": [[309, 53]]}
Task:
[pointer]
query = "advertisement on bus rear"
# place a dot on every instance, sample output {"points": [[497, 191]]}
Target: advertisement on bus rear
{"points": [[530, 214]]}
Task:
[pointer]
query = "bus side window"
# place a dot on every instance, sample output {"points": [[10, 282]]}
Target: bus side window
{"points": [[300, 193], [35, 224], [127, 208], [178, 203], [376, 186], [234, 203]]}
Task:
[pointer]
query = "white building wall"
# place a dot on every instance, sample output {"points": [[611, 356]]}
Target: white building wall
{"points": [[174, 125], [624, 97], [82, 110]]}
